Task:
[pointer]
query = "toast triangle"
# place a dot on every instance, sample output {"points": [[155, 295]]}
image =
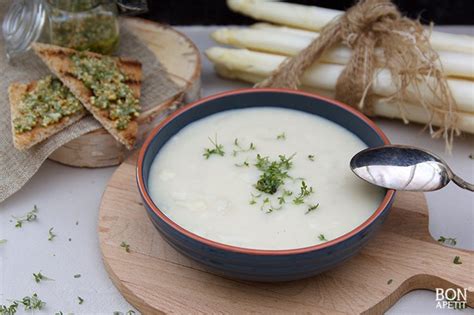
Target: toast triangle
{"points": [[25, 140], [58, 61]]}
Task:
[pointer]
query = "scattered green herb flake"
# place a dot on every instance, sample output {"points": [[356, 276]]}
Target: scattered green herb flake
{"points": [[265, 202], [130, 312], [254, 198], [58, 313], [240, 148], [243, 164], [447, 240], [322, 238], [267, 206], [77, 222], [125, 246], [81, 300], [304, 192], [218, 149], [281, 136], [311, 157], [32, 302], [390, 281], [30, 216], [3, 241], [77, 276], [457, 260], [286, 193], [312, 208], [471, 156], [274, 173], [9, 310], [39, 277], [51, 235]]}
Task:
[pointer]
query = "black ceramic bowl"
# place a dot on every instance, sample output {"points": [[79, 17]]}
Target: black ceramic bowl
{"points": [[255, 264]]}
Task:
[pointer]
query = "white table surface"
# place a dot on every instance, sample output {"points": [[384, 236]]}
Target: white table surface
{"points": [[65, 195]]}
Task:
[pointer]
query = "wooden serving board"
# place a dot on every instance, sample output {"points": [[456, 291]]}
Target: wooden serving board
{"points": [[157, 279], [181, 59]]}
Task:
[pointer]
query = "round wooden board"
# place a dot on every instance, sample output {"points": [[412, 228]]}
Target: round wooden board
{"points": [[157, 279], [182, 60]]}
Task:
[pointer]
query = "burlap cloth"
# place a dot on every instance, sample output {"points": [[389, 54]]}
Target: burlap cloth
{"points": [[16, 167]]}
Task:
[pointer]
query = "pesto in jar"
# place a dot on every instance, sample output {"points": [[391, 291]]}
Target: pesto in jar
{"points": [[107, 83], [47, 104], [97, 32]]}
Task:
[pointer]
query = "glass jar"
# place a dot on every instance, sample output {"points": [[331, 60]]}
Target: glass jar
{"points": [[90, 25]]}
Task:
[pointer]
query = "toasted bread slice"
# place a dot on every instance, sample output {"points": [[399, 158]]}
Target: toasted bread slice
{"points": [[25, 140], [59, 62]]}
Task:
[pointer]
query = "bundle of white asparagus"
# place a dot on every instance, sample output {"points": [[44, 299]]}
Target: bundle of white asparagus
{"points": [[263, 47]]}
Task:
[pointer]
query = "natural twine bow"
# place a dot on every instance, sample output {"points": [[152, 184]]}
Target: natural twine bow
{"points": [[407, 54]]}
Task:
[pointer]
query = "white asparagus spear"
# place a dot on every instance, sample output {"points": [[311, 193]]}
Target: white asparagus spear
{"points": [[382, 108], [290, 44], [325, 76], [286, 29], [315, 18]]}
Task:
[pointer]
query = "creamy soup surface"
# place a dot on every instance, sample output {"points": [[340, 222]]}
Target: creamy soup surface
{"points": [[214, 193]]}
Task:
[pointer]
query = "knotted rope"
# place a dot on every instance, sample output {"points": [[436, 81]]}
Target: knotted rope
{"points": [[402, 47]]}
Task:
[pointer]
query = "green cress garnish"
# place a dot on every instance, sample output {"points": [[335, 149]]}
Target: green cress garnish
{"points": [[30, 216], [311, 157], [447, 240], [29, 302], [81, 300], [240, 149], [51, 235], [267, 206], [254, 198], [322, 238], [457, 260], [9, 310], [304, 192], [32, 302], [274, 173], [281, 136], [77, 275], [390, 281], [312, 208], [125, 246], [218, 149], [286, 193], [243, 164], [39, 276]]}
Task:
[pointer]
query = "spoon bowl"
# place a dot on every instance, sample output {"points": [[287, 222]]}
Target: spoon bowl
{"points": [[404, 168]]}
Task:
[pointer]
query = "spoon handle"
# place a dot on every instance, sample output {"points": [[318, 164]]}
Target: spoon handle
{"points": [[462, 183]]}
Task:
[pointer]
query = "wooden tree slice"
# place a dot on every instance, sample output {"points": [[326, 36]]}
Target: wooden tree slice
{"points": [[181, 59], [156, 279]]}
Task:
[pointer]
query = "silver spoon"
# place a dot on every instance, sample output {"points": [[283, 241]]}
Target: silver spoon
{"points": [[404, 168]]}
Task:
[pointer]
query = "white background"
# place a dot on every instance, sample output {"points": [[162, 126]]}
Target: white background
{"points": [[68, 195]]}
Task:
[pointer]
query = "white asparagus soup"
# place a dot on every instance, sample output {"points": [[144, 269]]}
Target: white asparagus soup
{"points": [[262, 178]]}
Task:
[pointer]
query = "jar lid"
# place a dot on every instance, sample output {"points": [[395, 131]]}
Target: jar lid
{"points": [[22, 25]]}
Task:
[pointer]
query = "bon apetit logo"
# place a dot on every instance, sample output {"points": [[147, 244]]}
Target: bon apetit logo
{"points": [[451, 298]]}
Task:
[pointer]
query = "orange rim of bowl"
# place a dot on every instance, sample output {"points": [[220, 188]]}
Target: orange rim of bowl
{"points": [[264, 252]]}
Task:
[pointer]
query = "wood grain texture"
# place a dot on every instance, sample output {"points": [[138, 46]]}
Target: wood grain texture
{"points": [[156, 279], [180, 57]]}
